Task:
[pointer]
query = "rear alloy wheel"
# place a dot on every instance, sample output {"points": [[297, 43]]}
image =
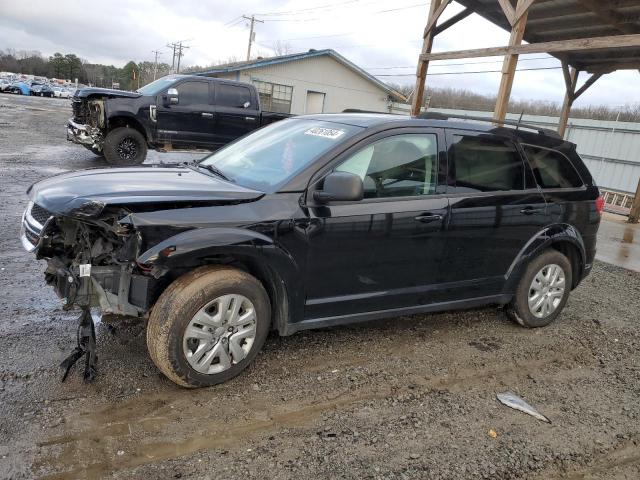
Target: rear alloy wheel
{"points": [[543, 290], [125, 146], [208, 326]]}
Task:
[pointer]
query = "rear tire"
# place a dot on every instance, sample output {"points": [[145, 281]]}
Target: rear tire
{"points": [[543, 290], [217, 313], [125, 146]]}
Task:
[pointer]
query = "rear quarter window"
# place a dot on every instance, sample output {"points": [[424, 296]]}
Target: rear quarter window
{"points": [[232, 95], [552, 169]]}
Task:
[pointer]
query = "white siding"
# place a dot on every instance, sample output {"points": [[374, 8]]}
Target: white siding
{"points": [[343, 88]]}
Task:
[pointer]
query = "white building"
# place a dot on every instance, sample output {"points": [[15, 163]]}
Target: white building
{"points": [[317, 81]]}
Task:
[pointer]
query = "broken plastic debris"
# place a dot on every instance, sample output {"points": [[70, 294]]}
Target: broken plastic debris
{"points": [[493, 433], [512, 400]]}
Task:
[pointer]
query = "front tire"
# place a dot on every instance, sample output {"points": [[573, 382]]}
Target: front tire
{"points": [[125, 146], [208, 326], [543, 290]]}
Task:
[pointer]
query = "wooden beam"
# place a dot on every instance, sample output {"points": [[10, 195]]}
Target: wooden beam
{"points": [[509, 66], [604, 68], [508, 10], [566, 71], [521, 9], [634, 214], [436, 15], [423, 64], [569, 97], [592, 79], [580, 44], [452, 21]]}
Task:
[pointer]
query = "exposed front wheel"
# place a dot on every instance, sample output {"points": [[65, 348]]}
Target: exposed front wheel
{"points": [[125, 146], [543, 290], [208, 326]]}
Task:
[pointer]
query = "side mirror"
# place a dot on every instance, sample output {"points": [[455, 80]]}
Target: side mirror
{"points": [[172, 96], [340, 187], [246, 104]]}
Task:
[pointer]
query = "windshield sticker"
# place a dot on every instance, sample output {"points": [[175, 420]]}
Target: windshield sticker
{"points": [[331, 133]]}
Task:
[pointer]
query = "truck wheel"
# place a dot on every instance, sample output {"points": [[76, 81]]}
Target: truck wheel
{"points": [[543, 290], [208, 326], [94, 150], [125, 146]]}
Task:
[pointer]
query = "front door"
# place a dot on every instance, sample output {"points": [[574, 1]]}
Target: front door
{"points": [[385, 251], [496, 208], [315, 102], [190, 122]]}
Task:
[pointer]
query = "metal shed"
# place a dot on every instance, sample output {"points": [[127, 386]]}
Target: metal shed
{"points": [[592, 36]]}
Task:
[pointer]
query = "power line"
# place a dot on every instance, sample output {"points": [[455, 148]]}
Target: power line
{"points": [[314, 19], [463, 73], [461, 64], [320, 7]]}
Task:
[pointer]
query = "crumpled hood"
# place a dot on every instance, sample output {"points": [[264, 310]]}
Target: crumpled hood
{"points": [[63, 193], [104, 92]]}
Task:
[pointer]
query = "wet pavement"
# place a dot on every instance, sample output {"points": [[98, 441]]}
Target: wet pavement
{"points": [[406, 398], [619, 242]]}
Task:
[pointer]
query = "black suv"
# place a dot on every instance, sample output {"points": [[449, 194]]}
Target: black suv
{"points": [[317, 221]]}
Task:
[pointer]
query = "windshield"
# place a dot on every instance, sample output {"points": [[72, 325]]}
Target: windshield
{"points": [[157, 86], [271, 156]]}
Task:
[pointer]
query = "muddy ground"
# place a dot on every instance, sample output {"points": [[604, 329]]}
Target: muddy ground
{"points": [[411, 397]]}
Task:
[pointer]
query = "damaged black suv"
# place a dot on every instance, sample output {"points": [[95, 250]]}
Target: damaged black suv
{"points": [[317, 221]]}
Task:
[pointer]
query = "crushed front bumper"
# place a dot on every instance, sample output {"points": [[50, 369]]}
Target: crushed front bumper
{"points": [[84, 134]]}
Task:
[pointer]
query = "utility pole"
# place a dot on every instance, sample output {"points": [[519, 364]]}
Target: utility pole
{"points": [[173, 59], [180, 47], [252, 35], [155, 63]]}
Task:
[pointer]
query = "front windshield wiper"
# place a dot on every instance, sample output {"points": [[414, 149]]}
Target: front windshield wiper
{"points": [[213, 169]]}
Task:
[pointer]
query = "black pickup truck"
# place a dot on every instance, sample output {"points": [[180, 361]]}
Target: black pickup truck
{"points": [[174, 112]]}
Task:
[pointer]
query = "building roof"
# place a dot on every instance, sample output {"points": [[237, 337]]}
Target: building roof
{"points": [[263, 62], [561, 20]]}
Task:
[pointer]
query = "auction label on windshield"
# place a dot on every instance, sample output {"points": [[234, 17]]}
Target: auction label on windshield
{"points": [[331, 133]]}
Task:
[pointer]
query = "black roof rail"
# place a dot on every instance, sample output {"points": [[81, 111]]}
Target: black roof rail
{"points": [[518, 124]]}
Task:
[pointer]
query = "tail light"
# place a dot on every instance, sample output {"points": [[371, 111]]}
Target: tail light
{"points": [[600, 204]]}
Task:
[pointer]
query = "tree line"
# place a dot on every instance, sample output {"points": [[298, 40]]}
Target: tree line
{"points": [[461, 99], [69, 66]]}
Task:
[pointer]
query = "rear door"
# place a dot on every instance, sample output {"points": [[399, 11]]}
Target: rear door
{"points": [[191, 121], [496, 208], [237, 112]]}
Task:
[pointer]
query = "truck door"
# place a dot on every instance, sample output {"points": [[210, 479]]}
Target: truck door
{"points": [[186, 115], [237, 113]]}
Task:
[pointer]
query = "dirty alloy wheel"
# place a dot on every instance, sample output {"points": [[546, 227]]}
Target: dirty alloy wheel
{"points": [[208, 326], [543, 290], [125, 146]]}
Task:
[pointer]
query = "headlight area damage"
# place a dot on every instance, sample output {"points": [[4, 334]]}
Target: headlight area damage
{"points": [[90, 256]]}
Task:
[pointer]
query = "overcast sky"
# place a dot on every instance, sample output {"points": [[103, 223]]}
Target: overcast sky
{"points": [[374, 34]]}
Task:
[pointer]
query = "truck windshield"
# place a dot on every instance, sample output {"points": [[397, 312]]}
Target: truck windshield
{"points": [[157, 86], [271, 156]]}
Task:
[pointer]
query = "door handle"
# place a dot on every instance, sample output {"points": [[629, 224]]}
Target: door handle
{"points": [[249, 119], [531, 211], [427, 218], [207, 115]]}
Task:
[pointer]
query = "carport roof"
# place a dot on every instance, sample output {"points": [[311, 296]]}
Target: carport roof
{"points": [[561, 20]]}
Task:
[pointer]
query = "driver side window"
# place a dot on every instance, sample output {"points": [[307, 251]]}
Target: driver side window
{"points": [[398, 166]]}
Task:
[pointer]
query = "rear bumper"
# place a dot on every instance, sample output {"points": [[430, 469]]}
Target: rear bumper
{"points": [[84, 134]]}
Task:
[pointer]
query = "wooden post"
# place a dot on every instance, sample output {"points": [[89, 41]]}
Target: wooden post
{"points": [[634, 214], [423, 65], [510, 62], [571, 80]]}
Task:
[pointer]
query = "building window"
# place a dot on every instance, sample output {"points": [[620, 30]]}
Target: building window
{"points": [[274, 97]]}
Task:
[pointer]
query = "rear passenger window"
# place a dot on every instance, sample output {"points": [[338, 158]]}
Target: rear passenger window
{"points": [[232, 95], [552, 169], [484, 164]]}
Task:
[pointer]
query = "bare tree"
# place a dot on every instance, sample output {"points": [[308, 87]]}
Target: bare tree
{"points": [[282, 48]]}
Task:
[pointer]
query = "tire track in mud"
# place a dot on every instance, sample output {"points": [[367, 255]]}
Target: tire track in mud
{"points": [[101, 431]]}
